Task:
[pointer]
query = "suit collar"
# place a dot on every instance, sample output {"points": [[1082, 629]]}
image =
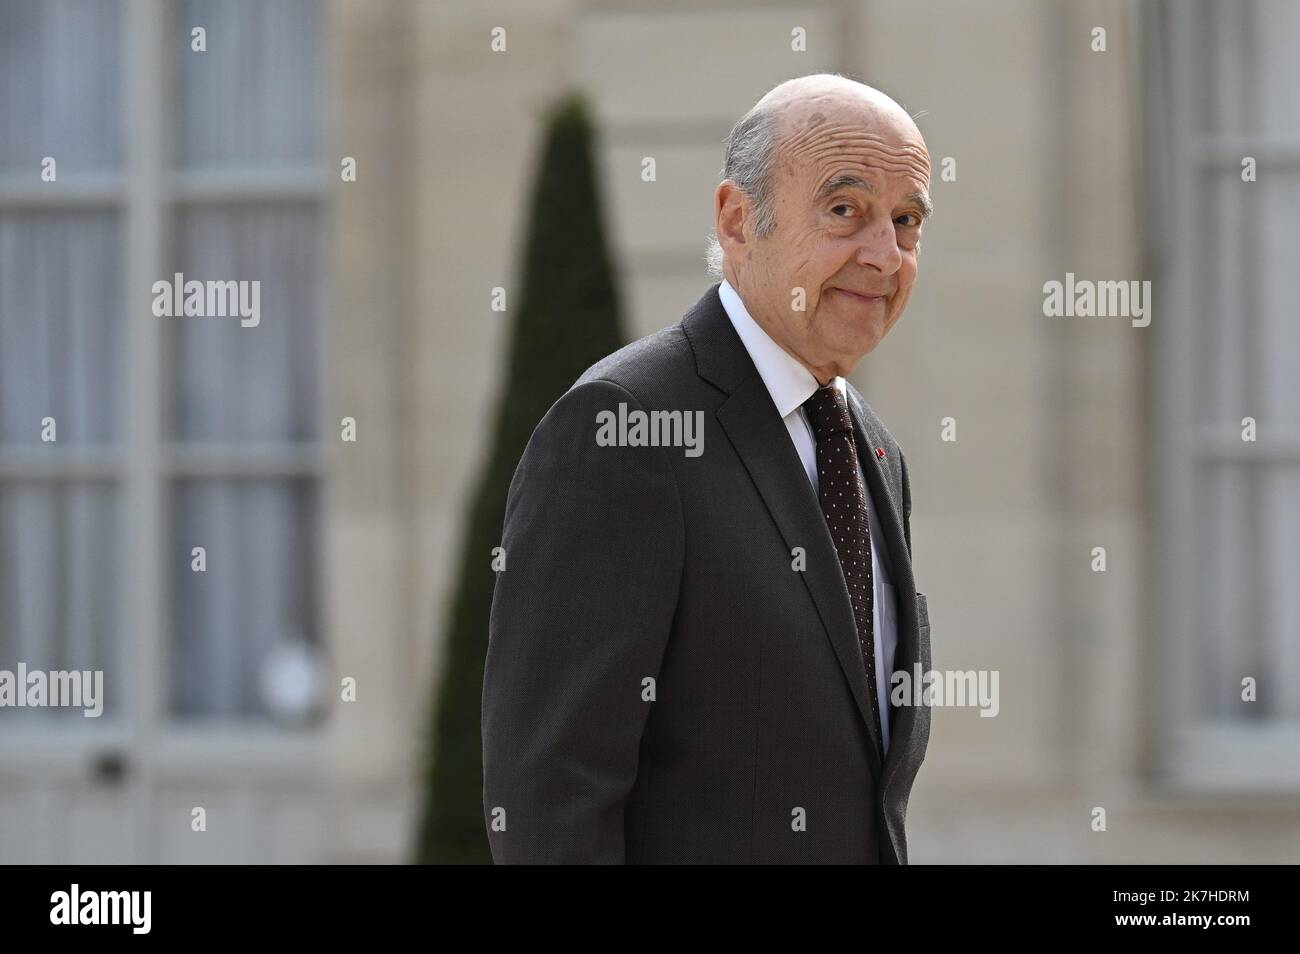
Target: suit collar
{"points": [[720, 355], [788, 381]]}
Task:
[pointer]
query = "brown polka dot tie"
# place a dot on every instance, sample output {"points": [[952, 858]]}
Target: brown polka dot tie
{"points": [[842, 490]]}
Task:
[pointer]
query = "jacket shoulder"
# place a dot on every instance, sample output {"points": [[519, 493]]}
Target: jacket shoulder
{"points": [[655, 369]]}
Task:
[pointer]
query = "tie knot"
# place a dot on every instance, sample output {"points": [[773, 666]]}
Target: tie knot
{"points": [[828, 410]]}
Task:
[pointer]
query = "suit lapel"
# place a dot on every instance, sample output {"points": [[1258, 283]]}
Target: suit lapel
{"points": [[760, 438], [906, 655], [876, 472], [751, 422]]}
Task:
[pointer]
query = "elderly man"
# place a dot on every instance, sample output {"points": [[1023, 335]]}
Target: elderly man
{"points": [[690, 650]]}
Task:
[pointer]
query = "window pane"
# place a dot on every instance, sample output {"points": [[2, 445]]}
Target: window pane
{"points": [[253, 97], [60, 94], [1277, 35], [257, 593], [61, 343], [1281, 505], [1230, 591], [1226, 300], [1278, 221], [1225, 78], [257, 383], [59, 580]]}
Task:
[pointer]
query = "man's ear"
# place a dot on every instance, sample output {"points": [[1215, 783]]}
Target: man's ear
{"points": [[731, 208]]}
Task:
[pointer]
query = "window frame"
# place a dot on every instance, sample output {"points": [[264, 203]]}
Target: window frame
{"points": [[1196, 754], [147, 193]]}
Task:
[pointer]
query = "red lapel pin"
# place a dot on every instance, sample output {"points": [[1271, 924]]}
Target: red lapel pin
{"points": [[880, 453]]}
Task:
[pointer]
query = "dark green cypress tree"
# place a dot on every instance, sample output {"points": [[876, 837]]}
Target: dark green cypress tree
{"points": [[564, 319]]}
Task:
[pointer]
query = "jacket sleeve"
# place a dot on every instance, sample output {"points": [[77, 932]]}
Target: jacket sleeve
{"points": [[594, 547]]}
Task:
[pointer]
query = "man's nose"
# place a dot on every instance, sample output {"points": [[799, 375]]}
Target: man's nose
{"points": [[880, 247]]}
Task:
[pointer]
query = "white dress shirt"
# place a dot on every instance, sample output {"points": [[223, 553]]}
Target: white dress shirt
{"points": [[790, 384]]}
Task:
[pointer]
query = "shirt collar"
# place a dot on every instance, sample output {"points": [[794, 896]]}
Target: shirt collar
{"points": [[788, 381]]}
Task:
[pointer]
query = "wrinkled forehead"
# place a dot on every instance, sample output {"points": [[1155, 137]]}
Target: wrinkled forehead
{"points": [[822, 138]]}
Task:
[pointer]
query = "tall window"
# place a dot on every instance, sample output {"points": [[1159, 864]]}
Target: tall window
{"points": [[172, 433], [1223, 81]]}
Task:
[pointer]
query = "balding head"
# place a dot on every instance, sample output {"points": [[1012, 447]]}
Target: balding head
{"points": [[826, 184], [798, 98]]}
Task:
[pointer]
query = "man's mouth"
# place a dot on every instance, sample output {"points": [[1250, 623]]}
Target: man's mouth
{"points": [[864, 299]]}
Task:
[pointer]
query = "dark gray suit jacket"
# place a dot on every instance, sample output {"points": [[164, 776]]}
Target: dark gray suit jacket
{"points": [[661, 684]]}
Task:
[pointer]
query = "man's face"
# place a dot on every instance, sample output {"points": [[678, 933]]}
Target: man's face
{"points": [[850, 196]]}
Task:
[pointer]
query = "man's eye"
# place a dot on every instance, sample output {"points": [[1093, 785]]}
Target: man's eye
{"points": [[916, 220], [842, 205]]}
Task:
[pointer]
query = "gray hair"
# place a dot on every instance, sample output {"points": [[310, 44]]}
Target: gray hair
{"points": [[749, 160]]}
